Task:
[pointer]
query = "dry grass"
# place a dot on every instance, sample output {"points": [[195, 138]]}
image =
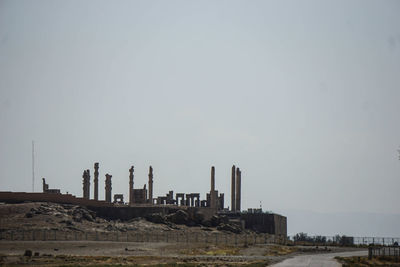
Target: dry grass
{"points": [[364, 261], [277, 250], [68, 260], [211, 251]]}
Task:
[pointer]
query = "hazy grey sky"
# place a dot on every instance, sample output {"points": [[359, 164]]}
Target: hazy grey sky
{"points": [[303, 96]]}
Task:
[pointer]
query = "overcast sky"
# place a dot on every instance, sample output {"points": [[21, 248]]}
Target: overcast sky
{"points": [[303, 96]]}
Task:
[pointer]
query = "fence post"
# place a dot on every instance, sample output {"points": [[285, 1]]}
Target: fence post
{"points": [[369, 253]]}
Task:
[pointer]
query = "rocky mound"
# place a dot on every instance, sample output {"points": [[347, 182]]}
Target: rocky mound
{"points": [[181, 217]]}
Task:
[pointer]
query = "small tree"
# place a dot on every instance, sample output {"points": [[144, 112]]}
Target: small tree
{"points": [[301, 237], [320, 239]]}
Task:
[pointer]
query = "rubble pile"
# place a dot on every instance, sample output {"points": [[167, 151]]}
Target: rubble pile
{"points": [[74, 218], [181, 217]]}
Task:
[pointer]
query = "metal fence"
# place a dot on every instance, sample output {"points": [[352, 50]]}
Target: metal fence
{"points": [[388, 251], [190, 237], [346, 240], [133, 236]]}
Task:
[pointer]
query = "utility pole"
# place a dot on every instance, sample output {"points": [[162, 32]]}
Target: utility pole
{"points": [[33, 166]]}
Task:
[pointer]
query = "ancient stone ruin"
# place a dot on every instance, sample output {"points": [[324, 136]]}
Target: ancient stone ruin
{"points": [[131, 195], [236, 188], [142, 202], [86, 184], [150, 200], [96, 181], [108, 188], [141, 196], [47, 190]]}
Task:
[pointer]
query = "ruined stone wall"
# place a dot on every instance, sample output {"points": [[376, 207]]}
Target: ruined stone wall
{"points": [[139, 196], [265, 223], [19, 197], [280, 225]]}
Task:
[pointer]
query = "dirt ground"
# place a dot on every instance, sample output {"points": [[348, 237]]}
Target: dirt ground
{"points": [[54, 253]]}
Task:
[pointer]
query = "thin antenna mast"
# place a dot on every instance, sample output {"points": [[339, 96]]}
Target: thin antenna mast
{"points": [[33, 166]]}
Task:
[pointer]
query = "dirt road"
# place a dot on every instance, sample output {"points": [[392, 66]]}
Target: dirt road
{"points": [[326, 260]]}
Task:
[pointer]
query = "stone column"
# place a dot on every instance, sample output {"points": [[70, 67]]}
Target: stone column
{"points": [[212, 192], [233, 190], [238, 188], [131, 198], [86, 184], [44, 185], [96, 181], [150, 185], [108, 188], [221, 201], [212, 178]]}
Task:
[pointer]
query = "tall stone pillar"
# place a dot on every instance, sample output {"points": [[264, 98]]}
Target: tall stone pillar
{"points": [[108, 188], [150, 185], [212, 192], [233, 190], [45, 186], [131, 198], [96, 181], [238, 188], [86, 184]]}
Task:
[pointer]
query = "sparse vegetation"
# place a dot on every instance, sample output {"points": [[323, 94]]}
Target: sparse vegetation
{"points": [[212, 251], [276, 250], [364, 261], [304, 239]]}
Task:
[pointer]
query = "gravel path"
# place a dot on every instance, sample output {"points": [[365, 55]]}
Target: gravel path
{"points": [[319, 259]]}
